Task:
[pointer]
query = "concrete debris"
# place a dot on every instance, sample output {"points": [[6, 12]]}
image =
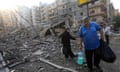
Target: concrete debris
{"points": [[50, 40], [38, 52], [57, 66], [41, 69], [23, 48], [15, 64], [3, 63], [47, 56], [12, 71]]}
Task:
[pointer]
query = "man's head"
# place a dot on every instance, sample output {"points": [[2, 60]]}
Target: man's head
{"points": [[101, 23], [65, 29], [104, 25], [86, 20]]}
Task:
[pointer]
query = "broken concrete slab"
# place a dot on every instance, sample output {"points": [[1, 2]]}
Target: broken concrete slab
{"points": [[38, 52], [41, 69], [47, 56], [25, 45], [57, 66], [3, 64]]}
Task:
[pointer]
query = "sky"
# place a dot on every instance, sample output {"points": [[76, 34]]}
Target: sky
{"points": [[6, 4], [47, 1], [116, 4]]}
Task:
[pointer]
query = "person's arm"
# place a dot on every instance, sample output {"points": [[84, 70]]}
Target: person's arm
{"points": [[81, 38], [81, 43], [108, 31], [99, 28], [101, 34], [71, 37]]}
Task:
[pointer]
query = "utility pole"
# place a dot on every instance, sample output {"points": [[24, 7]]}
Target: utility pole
{"points": [[84, 2], [87, 9]]}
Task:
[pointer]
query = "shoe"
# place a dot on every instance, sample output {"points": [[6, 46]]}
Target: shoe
{"points": [[72, 57], [90, 70], [98, 69], [76, 55]]}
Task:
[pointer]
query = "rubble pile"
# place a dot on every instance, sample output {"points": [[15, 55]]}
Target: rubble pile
{"points": [[19, 46], [25, 51]]}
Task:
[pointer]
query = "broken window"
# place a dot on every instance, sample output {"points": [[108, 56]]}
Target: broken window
{"points": [[70, 9], [92, 11], [81, 13]]}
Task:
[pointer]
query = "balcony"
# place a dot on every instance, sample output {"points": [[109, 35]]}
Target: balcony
{"points": [[97, 5], [98, 14]]}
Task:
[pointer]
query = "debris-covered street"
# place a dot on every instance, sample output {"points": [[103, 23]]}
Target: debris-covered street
{"points": [[32, 54]]}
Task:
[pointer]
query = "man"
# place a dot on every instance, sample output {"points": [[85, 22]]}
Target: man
{"points": [[107, 33], [89, 35], [65, 38]]}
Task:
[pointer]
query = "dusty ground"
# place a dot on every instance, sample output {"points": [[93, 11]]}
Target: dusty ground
{"points": [[49, 48]]}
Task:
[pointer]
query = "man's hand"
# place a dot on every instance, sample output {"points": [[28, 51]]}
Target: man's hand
{"points": [[81, 48], [102, 35], [81, 43]]}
